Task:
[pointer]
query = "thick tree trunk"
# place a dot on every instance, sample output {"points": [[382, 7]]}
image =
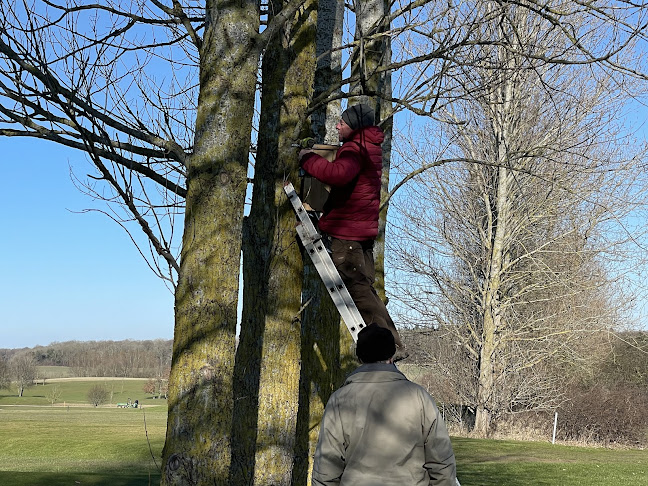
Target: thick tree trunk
{"points": [[371, 51], [321, 369], [327, 351], [268, 359], [330, 19], [197, 448]]}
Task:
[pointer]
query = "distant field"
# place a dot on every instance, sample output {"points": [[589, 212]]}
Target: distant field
{"points": [[74, 391], [81, 444]]}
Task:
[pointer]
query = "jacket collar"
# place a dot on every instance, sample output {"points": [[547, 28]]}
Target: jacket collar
{"points": [[375, 372]]}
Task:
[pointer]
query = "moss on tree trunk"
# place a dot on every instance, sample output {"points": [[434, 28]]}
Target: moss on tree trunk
{"points": [[268, 360], [200, 390]]}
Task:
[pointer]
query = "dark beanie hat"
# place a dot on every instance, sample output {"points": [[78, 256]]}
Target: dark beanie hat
{"points": [[359, 116], [375, 344]]}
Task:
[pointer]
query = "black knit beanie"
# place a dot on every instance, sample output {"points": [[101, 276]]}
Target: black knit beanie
{"points": [[375, 344], [359, 116]]}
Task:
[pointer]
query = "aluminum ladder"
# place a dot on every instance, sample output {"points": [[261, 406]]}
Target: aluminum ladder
{"points": [[312, 241]]}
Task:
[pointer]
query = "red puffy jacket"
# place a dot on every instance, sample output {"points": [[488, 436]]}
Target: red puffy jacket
{"points": [[351, 211]]}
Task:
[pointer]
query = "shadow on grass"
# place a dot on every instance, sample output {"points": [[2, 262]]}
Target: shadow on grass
{"points": [[106, 477]]}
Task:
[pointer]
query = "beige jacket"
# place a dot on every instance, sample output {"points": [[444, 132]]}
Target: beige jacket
{"points": [[380, 429]]}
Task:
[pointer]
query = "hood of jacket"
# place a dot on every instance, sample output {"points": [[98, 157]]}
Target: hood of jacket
{"points": [[374, 135]]}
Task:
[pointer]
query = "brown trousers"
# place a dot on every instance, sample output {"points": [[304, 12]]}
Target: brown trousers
{"points": [[354, 261]]}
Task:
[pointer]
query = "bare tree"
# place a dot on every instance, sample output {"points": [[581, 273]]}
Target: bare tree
{"points": [[5, 374], [157, 387], [98, 395], [23, 371], [512, 253], [54, 394]]}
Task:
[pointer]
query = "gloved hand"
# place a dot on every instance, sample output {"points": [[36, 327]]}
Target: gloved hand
{"points": [[305, 143], [304, 152]]}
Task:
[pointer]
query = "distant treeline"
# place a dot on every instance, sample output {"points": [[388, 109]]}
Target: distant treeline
{"points": [[128, 359]]}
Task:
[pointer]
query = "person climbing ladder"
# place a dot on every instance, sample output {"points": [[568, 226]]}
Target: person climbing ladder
{"points": [[349, 223]]}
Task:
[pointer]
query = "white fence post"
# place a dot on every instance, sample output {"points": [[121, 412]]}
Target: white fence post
{"points": [[553, 440]]}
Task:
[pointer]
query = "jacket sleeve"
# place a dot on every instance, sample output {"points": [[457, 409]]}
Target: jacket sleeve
{"points": [[329, 461], [338, 173], [439, 456]]}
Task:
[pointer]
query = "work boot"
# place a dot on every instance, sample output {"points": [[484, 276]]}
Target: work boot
{"points": [[401, 353]]}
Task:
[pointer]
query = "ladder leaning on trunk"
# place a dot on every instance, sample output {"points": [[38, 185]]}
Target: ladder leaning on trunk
{"points": [[312, 241]]}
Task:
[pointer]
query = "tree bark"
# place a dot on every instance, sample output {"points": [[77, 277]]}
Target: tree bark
{"points": [[268, 358], [200, 390], [373, 51], [327, 347]]}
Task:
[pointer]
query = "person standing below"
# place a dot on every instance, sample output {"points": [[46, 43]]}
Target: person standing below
{"points": [[349, 223], [380, 429]]}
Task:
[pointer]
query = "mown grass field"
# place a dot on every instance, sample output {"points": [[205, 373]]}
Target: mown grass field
{"points": [[52, 446], [73, 442], [512, 463], [74, 391], [41, 445]]}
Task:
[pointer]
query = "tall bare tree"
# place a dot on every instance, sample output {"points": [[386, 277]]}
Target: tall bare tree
{"points": [[512, 246]]}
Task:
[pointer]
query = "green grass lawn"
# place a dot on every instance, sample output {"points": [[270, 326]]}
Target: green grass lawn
{"points": [[41, 445], [510, 463], [53, 446]]}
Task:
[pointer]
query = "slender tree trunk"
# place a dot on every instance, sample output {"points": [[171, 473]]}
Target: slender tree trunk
{"points": [[384, 114], [499, 111], [200, 388], [373, 52], [498, 228]]}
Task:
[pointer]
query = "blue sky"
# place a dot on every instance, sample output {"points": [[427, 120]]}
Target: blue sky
{"points": [[77, 276], [65, 275]]}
